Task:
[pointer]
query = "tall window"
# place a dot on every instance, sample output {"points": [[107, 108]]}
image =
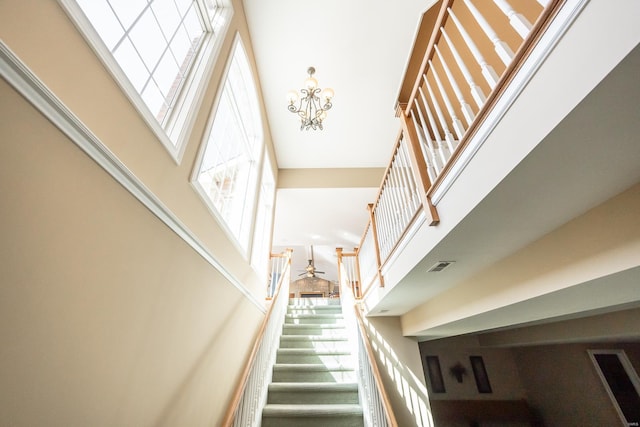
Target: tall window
{"points": [[264, 217], [226, 175], [158, 50]]}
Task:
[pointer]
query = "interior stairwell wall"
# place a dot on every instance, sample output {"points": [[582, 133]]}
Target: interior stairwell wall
{"points": [[398, 360], [562, 383], [107, 317]]}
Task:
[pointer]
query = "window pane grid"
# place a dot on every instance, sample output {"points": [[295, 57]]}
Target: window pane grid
{"points": [[228, 171], [140, 35]]}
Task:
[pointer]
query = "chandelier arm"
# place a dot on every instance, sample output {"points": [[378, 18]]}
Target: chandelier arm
{"points": [[311, 107]]}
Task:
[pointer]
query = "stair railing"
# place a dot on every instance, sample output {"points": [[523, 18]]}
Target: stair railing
{"points": [[474, 48], [250, 396], [278, 264], [349, 271], [375, 403], [465, 54]]}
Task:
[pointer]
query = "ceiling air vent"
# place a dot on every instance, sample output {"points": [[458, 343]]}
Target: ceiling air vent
{"points": [[439, 266]]}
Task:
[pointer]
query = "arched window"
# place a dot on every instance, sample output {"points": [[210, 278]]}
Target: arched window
{"points": [[227, 170], [161, 52]]}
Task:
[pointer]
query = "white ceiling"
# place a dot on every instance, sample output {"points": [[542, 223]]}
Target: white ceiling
{"points": [[359, 48]]}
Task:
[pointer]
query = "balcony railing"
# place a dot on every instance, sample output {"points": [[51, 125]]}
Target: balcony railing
{"points": [[465, 54]]}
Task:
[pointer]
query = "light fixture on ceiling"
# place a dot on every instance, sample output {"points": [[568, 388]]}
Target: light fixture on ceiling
{"points": [[313, 105]]}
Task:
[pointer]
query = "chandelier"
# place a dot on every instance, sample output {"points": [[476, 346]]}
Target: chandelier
{"points": [[313, 105]]}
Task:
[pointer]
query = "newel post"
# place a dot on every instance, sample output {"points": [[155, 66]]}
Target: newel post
{"points": [[339, 254], [374, 231], [358, 281], [419, 167]]}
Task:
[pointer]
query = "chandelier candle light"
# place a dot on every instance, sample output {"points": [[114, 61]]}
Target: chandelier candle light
{"points": [[313, 105]]}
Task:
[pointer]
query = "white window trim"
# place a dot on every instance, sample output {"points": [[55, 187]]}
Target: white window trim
{"points": [[261, 265], [246, 253], [628, 367], [192, 93]]}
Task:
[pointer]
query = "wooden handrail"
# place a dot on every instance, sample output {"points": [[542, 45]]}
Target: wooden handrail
{"points": [[388, 409], [376, 244], [419, 167], [435, 35], [229, 417], [396, 147]]}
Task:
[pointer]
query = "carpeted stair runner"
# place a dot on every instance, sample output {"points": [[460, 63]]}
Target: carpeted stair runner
{"points": [[314, 382]]}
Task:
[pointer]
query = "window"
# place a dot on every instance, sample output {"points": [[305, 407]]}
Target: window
{"points": [[621, 382], [160, 52], [227, 170], [264, 216]]}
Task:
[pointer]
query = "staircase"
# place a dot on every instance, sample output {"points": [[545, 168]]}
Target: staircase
{"points": [[314, 382]]}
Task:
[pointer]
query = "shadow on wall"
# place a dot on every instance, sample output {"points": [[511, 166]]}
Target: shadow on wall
{"points": [[407, 386]]}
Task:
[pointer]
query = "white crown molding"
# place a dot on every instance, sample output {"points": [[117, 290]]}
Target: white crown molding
{"points": [[18, 75]]}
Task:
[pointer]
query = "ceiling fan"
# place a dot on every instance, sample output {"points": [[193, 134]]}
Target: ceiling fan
{"points": [[310, 269]]}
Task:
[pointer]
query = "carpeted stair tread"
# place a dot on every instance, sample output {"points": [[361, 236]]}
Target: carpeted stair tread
{"points": [[314, 381], [326, 410], [321, 367], [337, 315], [313, 351], [340, 338], [314, 328], [313, 387]]}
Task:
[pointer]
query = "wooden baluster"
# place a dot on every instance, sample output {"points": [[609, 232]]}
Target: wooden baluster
{"points": [[381, 226], [375, 243], [358, 281], [399, 203], [399, 191], [517, 21], [382, 220], [391, 211], [407, 181], [396, 203], [406, 189], [448, 136], [502, 49], [419, 169], [423, 131], [467, 112], [476, 91], [411, 182], [488, 72], [339, 255], [386, 215], [434, 128], [427, 151], [455, 121]]}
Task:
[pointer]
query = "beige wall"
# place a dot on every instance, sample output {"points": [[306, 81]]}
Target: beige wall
{"points": [[602, 242], [499, 363], [563, 386], [107, 317], [58, 54], [541, 363], [398, 359]]}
